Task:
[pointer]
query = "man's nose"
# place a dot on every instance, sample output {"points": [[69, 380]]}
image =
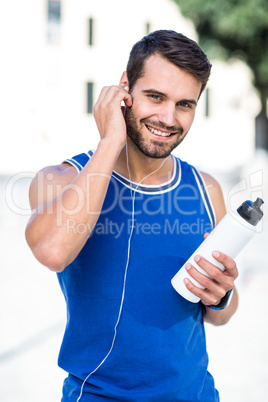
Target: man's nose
{"points": [[167, 115]]}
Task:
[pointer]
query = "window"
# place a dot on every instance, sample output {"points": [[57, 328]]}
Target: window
{"points": [[207, 95], [147, 28], [90, 31], [53, 21], [90, 88]]}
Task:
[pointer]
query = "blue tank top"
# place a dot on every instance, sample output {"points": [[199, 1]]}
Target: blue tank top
{"points": [[159, 352]]}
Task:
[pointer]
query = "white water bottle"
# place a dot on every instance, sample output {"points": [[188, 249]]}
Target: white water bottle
{"points": [[231, 234]]}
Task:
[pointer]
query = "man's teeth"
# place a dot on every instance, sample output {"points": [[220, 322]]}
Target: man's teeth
{"points": [[157, 132]]}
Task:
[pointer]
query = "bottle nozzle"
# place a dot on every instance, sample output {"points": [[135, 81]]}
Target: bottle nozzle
{"points": [[251, 212], [258, 203]]}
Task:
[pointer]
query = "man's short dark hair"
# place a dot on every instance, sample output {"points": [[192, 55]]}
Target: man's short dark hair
{"points": [[173, 46]]}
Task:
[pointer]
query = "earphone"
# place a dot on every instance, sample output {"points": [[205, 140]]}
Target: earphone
{"points": [[133, 194]]}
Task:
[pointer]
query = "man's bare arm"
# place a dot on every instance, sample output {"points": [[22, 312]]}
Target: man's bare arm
{"points": [[58, 194]]}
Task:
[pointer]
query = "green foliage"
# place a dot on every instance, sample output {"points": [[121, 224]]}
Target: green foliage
{"points": [[232, 27]]}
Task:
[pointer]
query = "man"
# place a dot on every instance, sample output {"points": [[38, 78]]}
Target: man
{"points": [[118, 223]]}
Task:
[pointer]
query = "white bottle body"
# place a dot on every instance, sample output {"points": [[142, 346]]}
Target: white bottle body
{"points": [[229, 237]]}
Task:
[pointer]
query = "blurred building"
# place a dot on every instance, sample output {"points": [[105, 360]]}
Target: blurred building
{"points": [[58, 54]]}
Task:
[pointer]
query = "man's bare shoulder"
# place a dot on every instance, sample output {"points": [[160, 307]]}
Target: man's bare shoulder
{"points": [[211, 182], [49, 182], [216, 195]]}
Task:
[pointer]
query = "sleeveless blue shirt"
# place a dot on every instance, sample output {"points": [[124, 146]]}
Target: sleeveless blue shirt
{"points": [[157, 350]]}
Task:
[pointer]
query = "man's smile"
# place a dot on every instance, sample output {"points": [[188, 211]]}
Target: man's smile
{"points": [[158, 132]]}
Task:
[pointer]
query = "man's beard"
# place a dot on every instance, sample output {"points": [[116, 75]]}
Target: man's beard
{"points": [[154, 149]]}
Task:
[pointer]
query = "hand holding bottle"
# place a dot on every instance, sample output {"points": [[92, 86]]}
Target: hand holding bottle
{"points": [[230, 235]]}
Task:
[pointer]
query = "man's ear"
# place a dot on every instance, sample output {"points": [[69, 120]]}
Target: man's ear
{"points": [[124, 81]]}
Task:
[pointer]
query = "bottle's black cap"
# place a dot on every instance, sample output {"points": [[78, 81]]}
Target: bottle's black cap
{"points": [[250, 211]]}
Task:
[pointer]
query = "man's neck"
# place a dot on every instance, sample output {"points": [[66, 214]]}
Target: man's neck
{"points": [[136, 166]]}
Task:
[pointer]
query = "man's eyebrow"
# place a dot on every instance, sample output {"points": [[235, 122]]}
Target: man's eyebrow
{"points": [[153, 91], [156, 92]]}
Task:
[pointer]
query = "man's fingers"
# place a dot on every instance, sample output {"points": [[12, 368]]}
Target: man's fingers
{"points": [[211, 283], [214, 281], [207, 297], [228, 262], [115, 92]]}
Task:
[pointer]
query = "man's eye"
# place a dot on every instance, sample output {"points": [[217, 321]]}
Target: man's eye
{"points": [[185, 104], [156, 97]]}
